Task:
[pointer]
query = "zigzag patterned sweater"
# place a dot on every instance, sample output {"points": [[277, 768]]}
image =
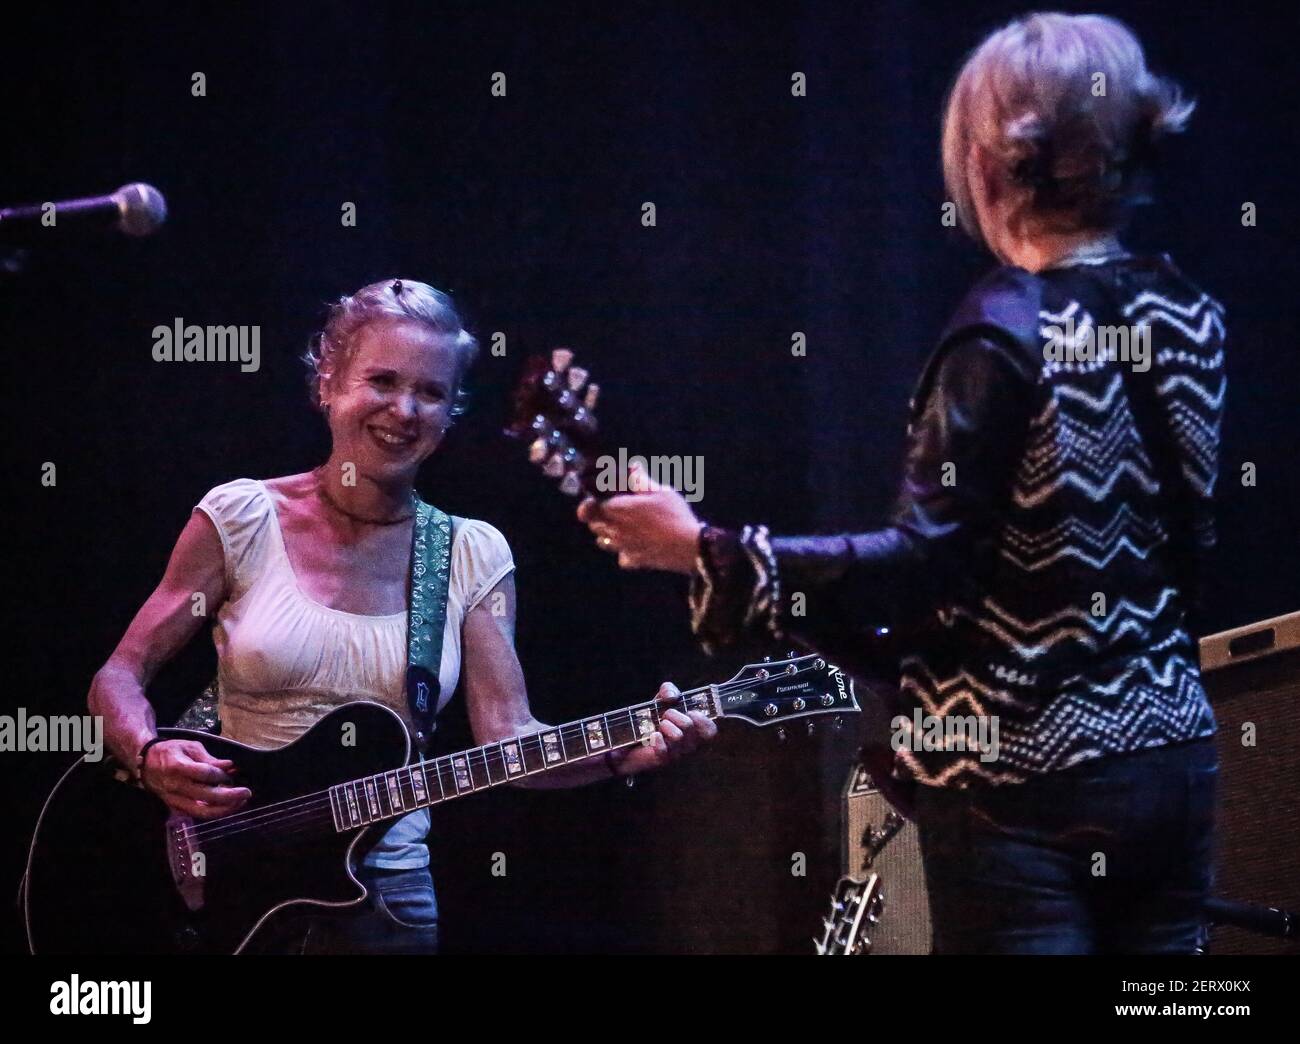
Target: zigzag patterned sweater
{"points": [[1055, 505]]}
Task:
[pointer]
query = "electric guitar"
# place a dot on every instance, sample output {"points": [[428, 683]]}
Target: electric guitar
{"points": [[555, 414], [112, 870], [858, 900]]}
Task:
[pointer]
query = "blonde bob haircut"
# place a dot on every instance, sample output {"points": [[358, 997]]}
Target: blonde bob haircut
{"points": [[1066, 110], [330, 350]]}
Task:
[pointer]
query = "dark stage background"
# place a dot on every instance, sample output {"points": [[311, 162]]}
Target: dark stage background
{"points": [[775, 214]]}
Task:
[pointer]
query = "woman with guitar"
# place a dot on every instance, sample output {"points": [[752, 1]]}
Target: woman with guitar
{"points": [[310, 578], [1043, 554]]}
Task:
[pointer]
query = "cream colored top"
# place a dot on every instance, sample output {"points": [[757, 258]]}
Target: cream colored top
{"points": [[285, 661]]}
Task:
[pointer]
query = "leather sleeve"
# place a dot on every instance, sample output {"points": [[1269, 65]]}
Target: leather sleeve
{"points": [[965, 438]]}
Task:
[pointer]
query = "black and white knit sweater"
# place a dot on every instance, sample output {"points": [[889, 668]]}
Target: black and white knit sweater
{"points": [[1055, 506]]}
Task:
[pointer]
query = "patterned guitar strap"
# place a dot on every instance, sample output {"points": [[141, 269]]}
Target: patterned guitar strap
{"points": [[426, 618]]}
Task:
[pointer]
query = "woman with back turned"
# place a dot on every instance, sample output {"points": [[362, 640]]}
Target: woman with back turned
{"points": [[1055, 505]]}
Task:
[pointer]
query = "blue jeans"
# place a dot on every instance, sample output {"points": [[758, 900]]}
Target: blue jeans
{"points": [[1113, 855], [398, 916]]}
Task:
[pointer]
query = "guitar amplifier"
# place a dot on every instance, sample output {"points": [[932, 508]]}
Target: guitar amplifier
{"points": [[905, 920], [1252, 675]]}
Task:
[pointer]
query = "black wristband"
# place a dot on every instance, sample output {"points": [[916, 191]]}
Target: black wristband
{"points": [[139, 758]]}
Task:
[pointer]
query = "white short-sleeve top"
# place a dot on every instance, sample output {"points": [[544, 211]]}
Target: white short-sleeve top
{"points": [[285, 661]]}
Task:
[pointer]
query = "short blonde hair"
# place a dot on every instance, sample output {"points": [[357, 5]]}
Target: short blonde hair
{"points": [[333, 347], [1069, 112]]}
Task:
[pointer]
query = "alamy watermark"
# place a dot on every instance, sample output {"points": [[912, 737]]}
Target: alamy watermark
{"points": [[193, 343], [930, 732], [684, 474], [38, 733], [1128, 344], [73, 996]]}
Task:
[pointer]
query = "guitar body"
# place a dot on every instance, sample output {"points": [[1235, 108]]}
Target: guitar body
{"points": [[100, 874]]}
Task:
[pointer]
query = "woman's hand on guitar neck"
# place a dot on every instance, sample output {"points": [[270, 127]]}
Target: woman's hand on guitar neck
{"points": [[191, 781], [679, 733]]}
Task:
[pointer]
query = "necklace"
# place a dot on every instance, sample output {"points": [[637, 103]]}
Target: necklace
{"points": [[324, 495]]}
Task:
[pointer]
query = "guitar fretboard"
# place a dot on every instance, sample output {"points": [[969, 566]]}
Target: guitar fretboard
{"points": [[398, 791]]}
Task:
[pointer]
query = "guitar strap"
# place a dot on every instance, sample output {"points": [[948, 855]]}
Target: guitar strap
{"points": [[426, 618]]}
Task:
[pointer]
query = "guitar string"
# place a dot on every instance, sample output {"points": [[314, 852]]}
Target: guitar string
{"points": [[444, 775], [309, 804], [312, 804], [313, 813], [531, 740], [319, 811], [567, 731]]}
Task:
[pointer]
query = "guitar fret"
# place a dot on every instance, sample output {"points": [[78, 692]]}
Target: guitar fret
{"points": [[372, 798], [460, 774], [512, 758], [394, 792], [418, 783], [552, 749], [381, 797], [643, 721], [523, 743], [354, 804], [593, 731], [438, 768], [488, 765], [621, 732], [574, 749], [477, 759], [334, 811]]}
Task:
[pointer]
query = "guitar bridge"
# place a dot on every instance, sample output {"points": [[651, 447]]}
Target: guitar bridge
{"points": [[187, 862]]}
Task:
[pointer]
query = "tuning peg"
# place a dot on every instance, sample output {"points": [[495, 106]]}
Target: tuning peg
{"points": [[593, 393], [577, 377], [554, 466], [790, 655], [812, 727], [538, 450], [571, 485], [839, 722], [780, 734], [767, 659], [560, 359], [821, 947]]}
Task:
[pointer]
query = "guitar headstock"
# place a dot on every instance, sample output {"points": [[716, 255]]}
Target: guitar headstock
{"points": [[555, 411], [797, 687], [856, 907]]}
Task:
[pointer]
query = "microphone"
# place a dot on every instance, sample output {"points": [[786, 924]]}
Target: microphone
{"points": [[138, 210]]}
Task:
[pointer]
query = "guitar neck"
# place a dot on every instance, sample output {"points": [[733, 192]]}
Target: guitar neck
{"points": [[394, 793]]}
